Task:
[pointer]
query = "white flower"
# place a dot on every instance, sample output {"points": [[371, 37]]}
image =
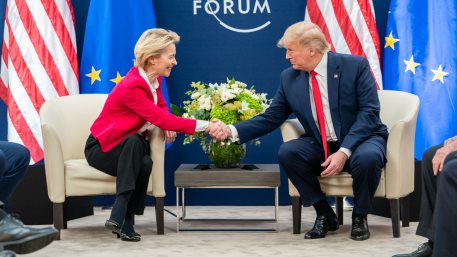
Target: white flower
{"points": [[244, 107], [195, 95], [263, 96], [204, 102], [255, 96], [237, 91], [223, 86], [226, 95], [241, 84]]}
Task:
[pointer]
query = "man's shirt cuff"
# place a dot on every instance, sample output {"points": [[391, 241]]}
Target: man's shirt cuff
{"points": [[346, 151], [235, 136]]}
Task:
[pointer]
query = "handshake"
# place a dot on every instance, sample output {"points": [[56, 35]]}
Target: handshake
{"points": [[218, 130]]}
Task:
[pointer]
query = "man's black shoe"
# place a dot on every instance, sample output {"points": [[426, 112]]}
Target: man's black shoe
{"points": [[21, 239], [322, 225], [7, 253], [424, 250], [360, 231]]}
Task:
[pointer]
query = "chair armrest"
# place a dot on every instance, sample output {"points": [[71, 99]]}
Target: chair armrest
{"points": [[54, 164], [291, 129], [400, 156], [157, 144]]}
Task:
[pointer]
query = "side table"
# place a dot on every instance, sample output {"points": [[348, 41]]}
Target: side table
{"points": [[247, 176]]}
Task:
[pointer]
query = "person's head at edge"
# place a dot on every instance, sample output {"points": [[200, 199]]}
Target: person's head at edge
{"points": [[155, 52], [305, 45]]}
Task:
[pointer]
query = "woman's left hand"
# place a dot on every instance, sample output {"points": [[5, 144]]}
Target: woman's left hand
{"points": [[170, 136]]}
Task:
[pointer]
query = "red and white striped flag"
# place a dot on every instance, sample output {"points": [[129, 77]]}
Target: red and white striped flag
{"points": [[38, 63], [350, 27]]}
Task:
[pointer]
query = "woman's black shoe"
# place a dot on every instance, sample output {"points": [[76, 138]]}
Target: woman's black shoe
{"points": [[113, 226], [132, 237], [133, 234]]}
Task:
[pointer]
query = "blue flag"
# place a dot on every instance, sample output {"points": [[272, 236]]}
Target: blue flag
{"points": [[112, 30], [420, 57]]}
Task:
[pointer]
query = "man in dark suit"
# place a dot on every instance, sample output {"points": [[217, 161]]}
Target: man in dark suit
{"points": [[438, 206], [334, 97], [14, 235]]}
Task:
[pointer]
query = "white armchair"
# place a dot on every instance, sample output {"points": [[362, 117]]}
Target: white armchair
{"points": [[399, 112], [65, 124]]}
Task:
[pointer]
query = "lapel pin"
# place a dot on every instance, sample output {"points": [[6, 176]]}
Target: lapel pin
{"points": [[335, 76]]}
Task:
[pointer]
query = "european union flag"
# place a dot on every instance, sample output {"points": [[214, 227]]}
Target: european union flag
{"points": [[420, 57], [112, 30]]}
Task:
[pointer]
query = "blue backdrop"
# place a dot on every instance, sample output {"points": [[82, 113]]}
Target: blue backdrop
{"points": [[215, 45]]}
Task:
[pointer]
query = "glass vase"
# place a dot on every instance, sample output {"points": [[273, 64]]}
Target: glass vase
{"points": [[226, 155]]}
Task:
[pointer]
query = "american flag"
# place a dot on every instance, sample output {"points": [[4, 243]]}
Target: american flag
{"points": [[38, 63], [350, 27]]}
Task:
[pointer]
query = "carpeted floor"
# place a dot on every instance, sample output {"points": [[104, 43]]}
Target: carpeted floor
{"points": [[87, 236]]}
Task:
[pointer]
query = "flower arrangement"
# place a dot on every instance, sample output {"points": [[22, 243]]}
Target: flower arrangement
{"points": [[229, 102]]}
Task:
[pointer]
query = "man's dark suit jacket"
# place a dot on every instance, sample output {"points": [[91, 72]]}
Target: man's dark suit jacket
{"points": [[353, 99]]}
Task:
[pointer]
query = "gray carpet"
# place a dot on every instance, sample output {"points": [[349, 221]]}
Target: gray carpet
{"points": [[87, 236]]}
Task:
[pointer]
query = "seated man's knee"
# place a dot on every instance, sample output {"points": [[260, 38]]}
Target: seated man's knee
{"points": [[24, 154], [367, 160], [450, 167], [286, 153]]}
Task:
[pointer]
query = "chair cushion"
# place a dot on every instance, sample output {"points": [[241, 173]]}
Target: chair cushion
{"points": [[341, 185], [80, 178]]}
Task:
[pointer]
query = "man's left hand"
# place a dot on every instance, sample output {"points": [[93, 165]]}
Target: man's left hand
{"points": [[441, 154], [334, 164]]}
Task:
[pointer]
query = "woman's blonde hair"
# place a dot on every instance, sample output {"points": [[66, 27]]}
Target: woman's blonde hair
{"points": [[153, 43], [306, 34]]}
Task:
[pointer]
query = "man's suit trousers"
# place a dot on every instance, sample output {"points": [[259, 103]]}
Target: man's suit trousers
{"points": [[301, 159], [439, 204]]}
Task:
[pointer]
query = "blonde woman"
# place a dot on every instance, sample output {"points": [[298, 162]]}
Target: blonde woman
{"points": [[117, 144]]}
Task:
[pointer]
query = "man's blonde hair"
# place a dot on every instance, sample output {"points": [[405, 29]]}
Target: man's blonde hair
{"points": [[153, 43], [306, 34]]}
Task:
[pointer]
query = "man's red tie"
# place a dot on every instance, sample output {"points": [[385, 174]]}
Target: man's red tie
{"points": [[319, 111]]}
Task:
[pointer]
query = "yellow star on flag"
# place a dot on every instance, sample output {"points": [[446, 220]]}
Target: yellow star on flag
{"points": [[94, 75], [390, 41], [439, 74], [411, 65], [117, 78]]}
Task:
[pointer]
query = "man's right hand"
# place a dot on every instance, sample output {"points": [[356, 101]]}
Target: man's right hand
{"points": [[218, 130]]}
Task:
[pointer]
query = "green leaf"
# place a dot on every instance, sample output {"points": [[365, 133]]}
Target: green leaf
{"points": [[176, 110]]}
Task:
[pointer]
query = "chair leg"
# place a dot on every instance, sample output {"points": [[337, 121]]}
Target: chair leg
{"points": [[296, 214], [159, 215], [58, 217], [395, 214], [339, 209], [404, 207]]}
